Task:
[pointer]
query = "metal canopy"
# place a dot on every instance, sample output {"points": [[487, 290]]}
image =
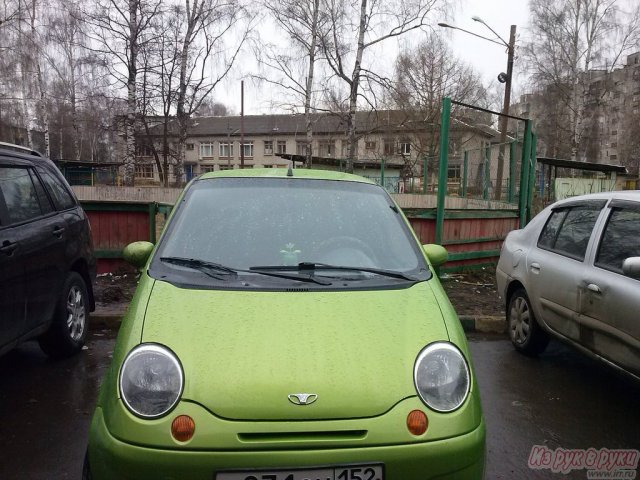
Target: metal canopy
{"points": [[589, 166]]}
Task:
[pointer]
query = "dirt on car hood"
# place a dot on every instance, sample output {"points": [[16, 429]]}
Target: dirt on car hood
{"points": [[246, 353]]}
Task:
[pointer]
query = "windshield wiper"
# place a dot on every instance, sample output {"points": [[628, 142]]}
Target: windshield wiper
{"points": [[310, 266], [214, 270], [219, 271], [292, 276]]}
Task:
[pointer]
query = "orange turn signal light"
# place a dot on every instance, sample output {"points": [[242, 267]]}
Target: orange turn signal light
{"points": [[183, 428], [417, 422]]}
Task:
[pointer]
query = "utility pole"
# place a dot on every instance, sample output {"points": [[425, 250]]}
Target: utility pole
{"points": [[241, 124]]}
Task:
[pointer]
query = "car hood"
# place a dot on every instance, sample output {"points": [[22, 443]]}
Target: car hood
{"points": [[245, 352]]}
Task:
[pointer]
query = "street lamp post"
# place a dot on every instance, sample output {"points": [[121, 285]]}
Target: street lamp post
{"points": [[502, 78]]}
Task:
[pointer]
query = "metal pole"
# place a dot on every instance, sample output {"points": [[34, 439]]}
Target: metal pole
{"points": [[487, 173], [524, 173], [442, 172], [465, 174], [512, 171], [382, 173], [242, 124], [505, 111], [532, 176], [424, 174]]}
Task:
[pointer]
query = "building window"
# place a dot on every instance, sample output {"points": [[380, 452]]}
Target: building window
{"points": [[248, 150], [226, 167], [282, 146], [614, 144], [405, 148], [206, 168], [206, 150], [268, 147], [144, 171], [189, 146], [389, 147], [613, 157], [327, 148], [614, 132], [453, 172], [226, 149], [370, 145], [301, 148], [145, 151]]}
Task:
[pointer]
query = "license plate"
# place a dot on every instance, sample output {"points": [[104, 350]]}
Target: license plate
{"points": [[359, 472]]}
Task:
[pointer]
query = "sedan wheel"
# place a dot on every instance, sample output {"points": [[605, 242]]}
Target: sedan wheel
{"points": [[524, 331]]}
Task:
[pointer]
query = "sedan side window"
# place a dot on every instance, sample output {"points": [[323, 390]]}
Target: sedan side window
{"points": [[568, 230], [19, 194], [620, 240]]}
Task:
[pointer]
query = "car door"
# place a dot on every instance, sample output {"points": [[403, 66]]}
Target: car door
{"points": [[44, 247], [610, 301], [12, 294], [555, 265]]}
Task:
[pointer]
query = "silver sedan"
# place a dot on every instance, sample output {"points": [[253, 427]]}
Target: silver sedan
{"points": [[574, 273]]}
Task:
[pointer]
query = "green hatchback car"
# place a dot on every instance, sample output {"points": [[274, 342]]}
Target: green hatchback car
{"points": [[288, 326]]}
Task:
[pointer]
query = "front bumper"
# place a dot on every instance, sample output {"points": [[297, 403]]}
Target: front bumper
{"points": [[460, 458]]}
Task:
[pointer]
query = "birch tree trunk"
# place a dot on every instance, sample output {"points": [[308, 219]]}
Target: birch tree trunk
{"points": [[130, 125]]}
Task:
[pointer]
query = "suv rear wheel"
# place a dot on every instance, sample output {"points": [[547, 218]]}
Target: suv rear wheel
{"points": [[524, 331], [68, 330]]}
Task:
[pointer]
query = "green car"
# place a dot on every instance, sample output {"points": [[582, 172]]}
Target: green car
{"points": [[288, 326]]}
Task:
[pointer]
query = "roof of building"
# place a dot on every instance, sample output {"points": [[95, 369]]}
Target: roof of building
{"points": [[387, 121]]}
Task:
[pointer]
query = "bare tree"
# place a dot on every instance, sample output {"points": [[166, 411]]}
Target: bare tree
{"points": [[295, 63], [376, 21], [120, 29], [207, 26], [425, 74], [570, 38]]}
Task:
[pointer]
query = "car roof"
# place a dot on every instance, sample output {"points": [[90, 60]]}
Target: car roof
{"points": [[282, 173], [631, 195]]}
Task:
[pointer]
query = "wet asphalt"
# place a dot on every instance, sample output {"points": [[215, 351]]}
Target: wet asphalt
{"points": [[560, 399]]}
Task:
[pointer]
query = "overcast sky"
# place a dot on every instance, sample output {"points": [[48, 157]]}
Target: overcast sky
{"points": [[487, 58]]}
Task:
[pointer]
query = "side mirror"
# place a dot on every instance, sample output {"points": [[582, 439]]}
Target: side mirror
{"points": [[137, 253], [436, 254], [631, 267]]}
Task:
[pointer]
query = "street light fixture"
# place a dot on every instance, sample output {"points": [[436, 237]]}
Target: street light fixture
{"points": [[502, 78]]}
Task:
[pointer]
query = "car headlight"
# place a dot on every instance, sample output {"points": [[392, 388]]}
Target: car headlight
{"points": [[441, 377], [151, 380]]}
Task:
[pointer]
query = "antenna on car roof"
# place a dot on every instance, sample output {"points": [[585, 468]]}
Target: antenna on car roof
{"points": [[290, 170]]}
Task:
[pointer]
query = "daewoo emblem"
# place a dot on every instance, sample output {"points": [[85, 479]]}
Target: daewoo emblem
{"points": [[302, 398]]}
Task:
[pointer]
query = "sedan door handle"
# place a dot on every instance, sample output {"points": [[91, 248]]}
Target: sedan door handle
{"points": [[58, 231], [8, 247], [535, 266], [592, 287]]}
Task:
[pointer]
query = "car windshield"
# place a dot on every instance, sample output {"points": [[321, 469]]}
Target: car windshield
{"points": [[247, 224]]}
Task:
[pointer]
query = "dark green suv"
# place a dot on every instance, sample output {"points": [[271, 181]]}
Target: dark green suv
{"points": [[46, 256]]}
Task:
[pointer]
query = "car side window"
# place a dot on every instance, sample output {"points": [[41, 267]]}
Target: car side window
{"points": [[19, 194], [620, 239], [45, 203], [59, 193], [568, 230]]}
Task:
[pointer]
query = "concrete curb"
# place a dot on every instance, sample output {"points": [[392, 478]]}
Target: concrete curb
{"points": [[102, 320], [483, 323], [470, 323]]}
